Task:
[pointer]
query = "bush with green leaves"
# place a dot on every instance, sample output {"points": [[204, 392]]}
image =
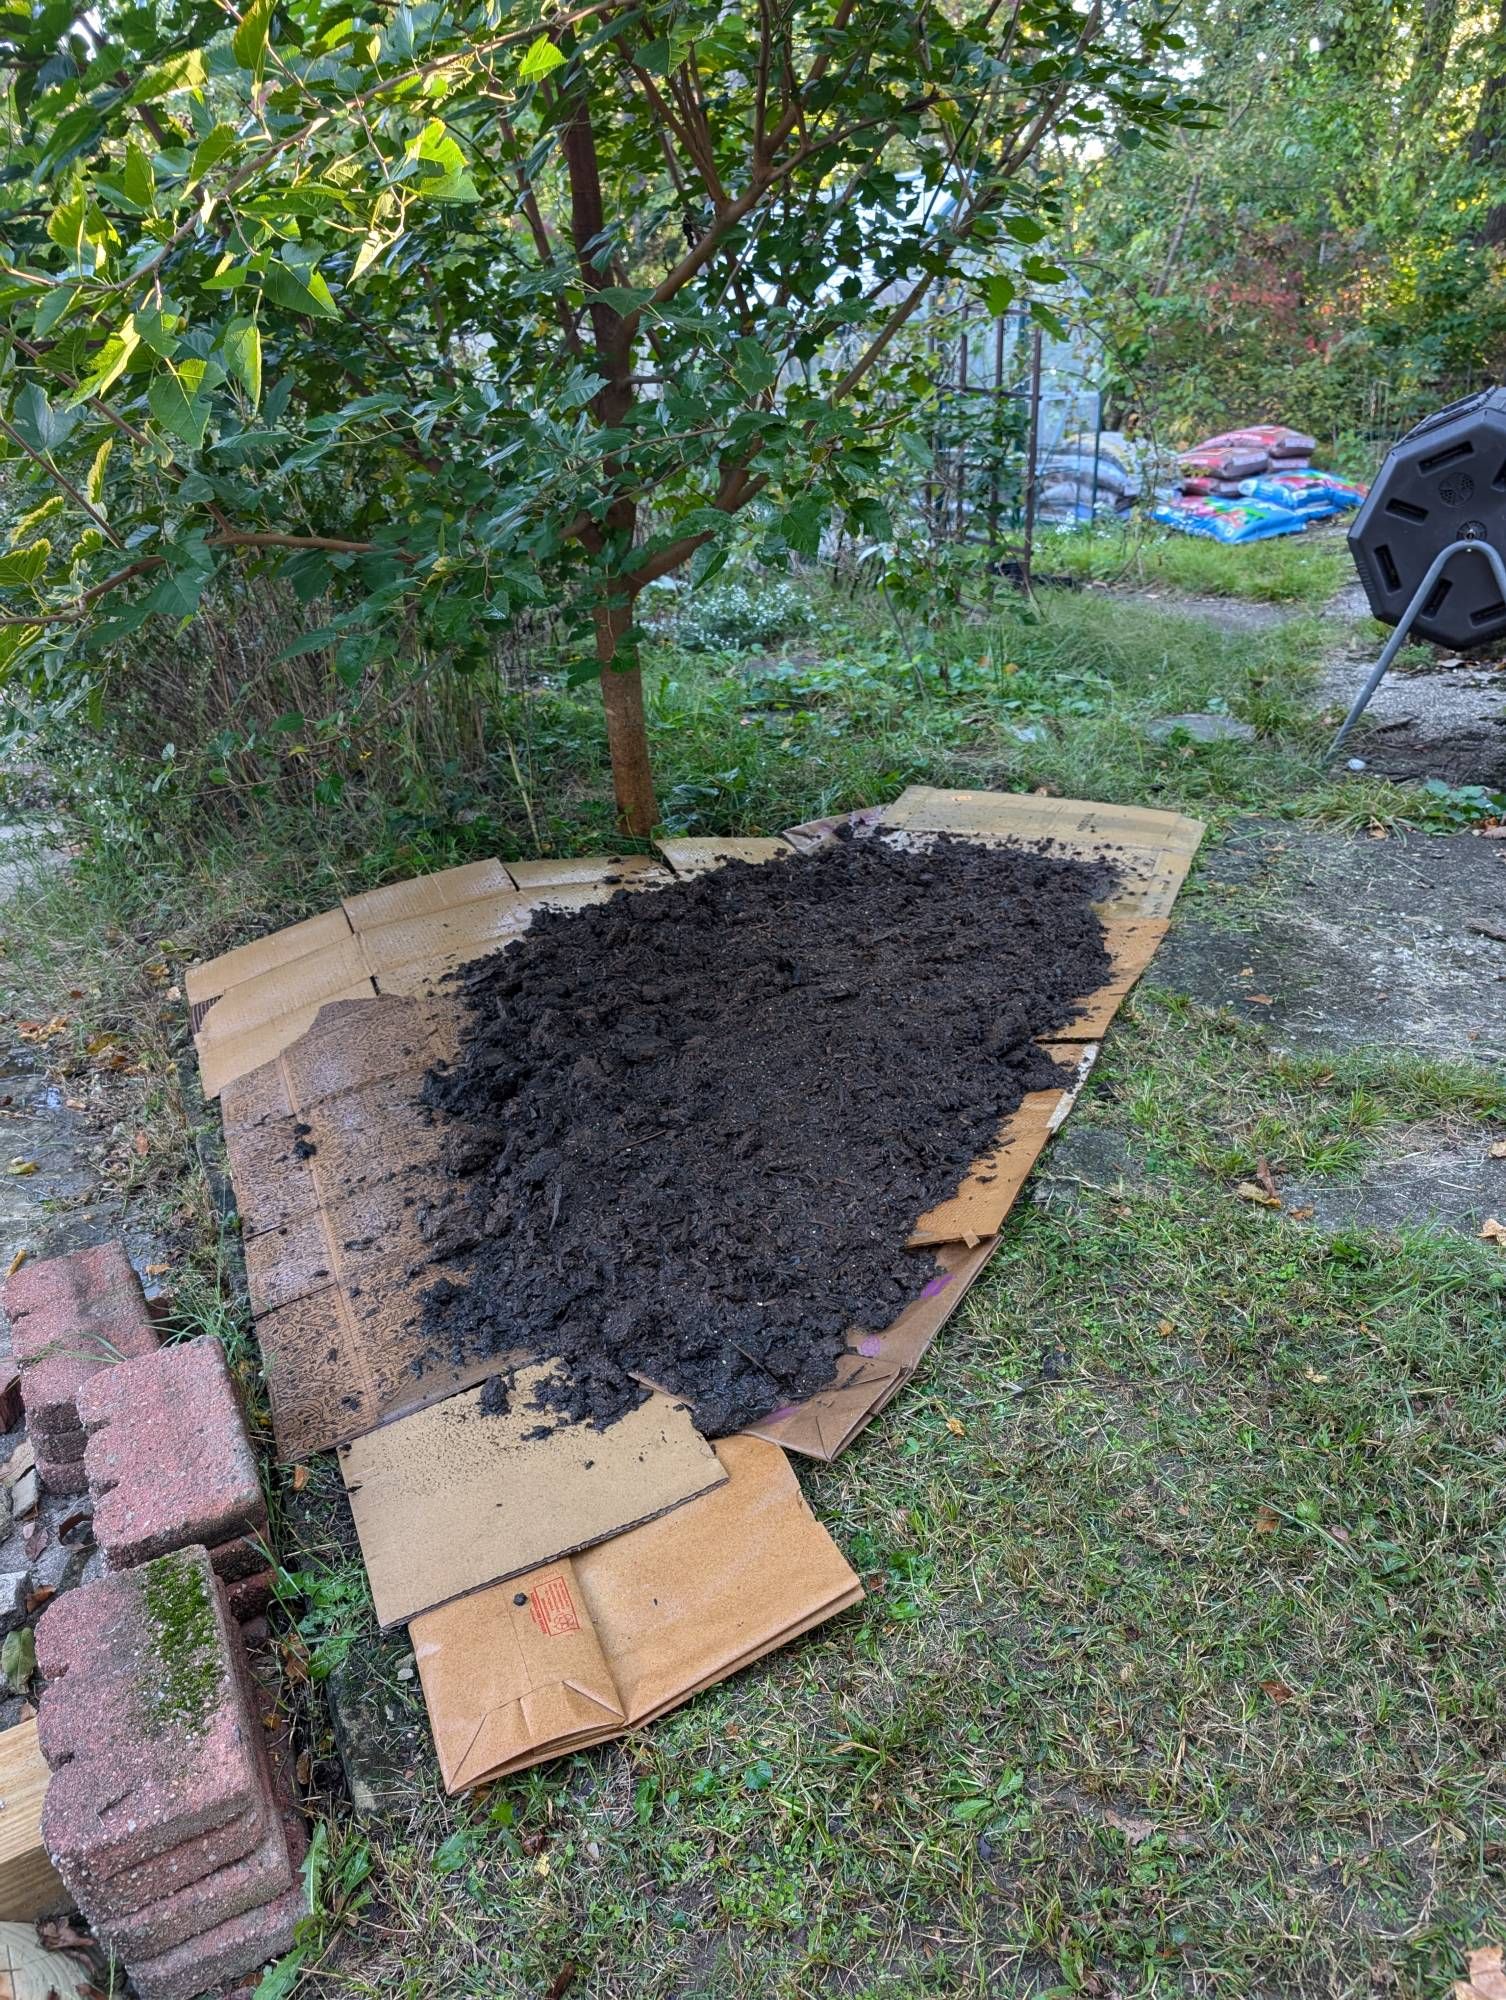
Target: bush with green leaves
{"points": [[453, 312], [730, 616]]}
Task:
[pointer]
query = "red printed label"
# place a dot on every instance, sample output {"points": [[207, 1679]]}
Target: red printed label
{"points": [[552, 1608]]}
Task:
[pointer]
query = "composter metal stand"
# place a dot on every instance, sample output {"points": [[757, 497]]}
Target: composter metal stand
{"points": [[1408, 619]]}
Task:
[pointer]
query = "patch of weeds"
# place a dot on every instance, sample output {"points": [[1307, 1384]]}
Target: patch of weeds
{"points": [[330, 1606], [1448, 808]]}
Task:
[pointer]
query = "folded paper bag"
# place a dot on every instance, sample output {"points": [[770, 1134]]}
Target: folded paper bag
{"points": [[606, 1640]]}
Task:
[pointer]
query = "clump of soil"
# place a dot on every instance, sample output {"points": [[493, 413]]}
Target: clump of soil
{"points": [[693, 1128]]}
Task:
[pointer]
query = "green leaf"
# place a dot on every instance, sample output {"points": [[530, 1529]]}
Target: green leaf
{"points": [[242, 350], [998, 294], [211, 149], [179, 398], [453, 1852], [43, 427], [372, 246], [449, 180], [753, 367], [279, 1980], [24, 566], [66, 225], [109, 364], [310, 294], [18, 1659], [542, 57], [1043, 272], [249, 42], [180, 72], [29, 523], [54, 307], [140, 177], [94, 485], [1044, 316], [1025, 228]]}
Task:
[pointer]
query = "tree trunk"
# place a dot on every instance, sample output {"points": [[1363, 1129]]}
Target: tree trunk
{"points": [[621, 684], [627, 733]]}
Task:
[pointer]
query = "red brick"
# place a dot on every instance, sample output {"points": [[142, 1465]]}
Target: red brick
{"points": [[61, 1447], [166, 1875], [62, 1479], [168, 1458], [267, 1872], [247, 1555], [227, 1952], [249, 1596], [70, 1318], [145, 1724]]}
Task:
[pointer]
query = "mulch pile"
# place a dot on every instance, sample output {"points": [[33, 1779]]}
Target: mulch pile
{"points": [[690, 1130]]}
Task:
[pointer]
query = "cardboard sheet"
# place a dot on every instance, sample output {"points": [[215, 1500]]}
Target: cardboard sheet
{"points": [[698, 857], [607, 1640], [336, 1258], [447, 1500], [332, 1157], [247, 1006], [1153, 849]]}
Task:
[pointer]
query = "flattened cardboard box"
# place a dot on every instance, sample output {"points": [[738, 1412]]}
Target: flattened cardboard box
{"points": [[603, 1642], [249, 1005], [328, 1145], [447, 1501]]}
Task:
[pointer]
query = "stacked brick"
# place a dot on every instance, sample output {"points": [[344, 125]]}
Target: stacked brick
{"points": [[72, 1320], [168, 1814], [169, 1465]]}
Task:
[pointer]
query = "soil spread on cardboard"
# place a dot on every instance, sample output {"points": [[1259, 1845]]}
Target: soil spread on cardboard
{"points": [[691, 1129]]}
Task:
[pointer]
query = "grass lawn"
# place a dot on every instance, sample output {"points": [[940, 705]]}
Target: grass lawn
{"points": [[1179, 1669], [1289, 569]]}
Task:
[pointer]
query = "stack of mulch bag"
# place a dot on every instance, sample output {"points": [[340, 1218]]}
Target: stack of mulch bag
{"points": [[1250, 484]]}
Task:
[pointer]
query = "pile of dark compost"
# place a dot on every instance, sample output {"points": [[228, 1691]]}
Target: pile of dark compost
{"points": [[690, 1129]]}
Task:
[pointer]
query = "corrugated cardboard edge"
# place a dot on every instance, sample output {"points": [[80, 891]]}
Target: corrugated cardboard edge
{"points": [[591, 1485]]}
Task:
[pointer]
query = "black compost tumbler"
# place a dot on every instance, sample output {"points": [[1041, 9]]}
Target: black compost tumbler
{"points": [[1428, 541]]}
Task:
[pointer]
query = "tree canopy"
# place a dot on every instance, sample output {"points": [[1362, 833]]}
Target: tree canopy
{"points": [[442, 313]]}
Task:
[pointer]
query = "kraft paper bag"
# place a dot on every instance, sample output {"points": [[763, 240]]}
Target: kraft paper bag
{"points": [[602, 1642]]}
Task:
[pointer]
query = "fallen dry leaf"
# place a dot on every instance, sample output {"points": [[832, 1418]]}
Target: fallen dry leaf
{"points": [[1260, 999], [1253, 1191], [1134, 1830], [142, 1144], [42, 1031], [20, 1166], [1310, 1374], [1266, 1523], [1278, 1691], [300, 1478], [1166, 1328], [1487, 1976], [157, 1270], [1493, 1229], [1303, 1214], [1265, 1177], [956, 1427], [1498, 1150], [15, 1264]]}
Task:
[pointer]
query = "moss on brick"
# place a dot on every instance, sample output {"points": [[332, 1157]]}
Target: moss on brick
{"points": [[183, 1671]]}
